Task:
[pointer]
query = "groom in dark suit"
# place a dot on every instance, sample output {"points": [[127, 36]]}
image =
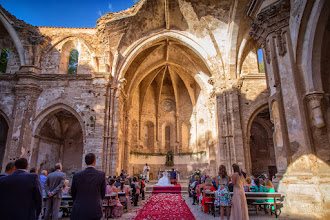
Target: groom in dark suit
{"points": [[87, 191], [173, 177], [20, 194]]}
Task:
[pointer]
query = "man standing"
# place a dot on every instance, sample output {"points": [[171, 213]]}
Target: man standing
{"points": [[87, 191], [53, 186], [43, 178], [10, 168], [146, 170], [20, 194], [173, 177]]}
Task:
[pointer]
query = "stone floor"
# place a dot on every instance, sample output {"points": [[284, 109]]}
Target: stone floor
{"points": [[195, 209], [199, 215]]}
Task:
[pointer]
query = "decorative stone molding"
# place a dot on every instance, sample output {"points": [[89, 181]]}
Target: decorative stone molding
{"points": [[272, 19]]}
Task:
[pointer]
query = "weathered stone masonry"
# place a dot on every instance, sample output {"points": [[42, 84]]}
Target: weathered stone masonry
{"points": [[177, 76]]}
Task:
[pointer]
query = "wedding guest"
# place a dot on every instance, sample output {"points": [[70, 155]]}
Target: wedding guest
{"points": [[124, 188], [87, 190], [200, 189], [173, 177], [239, 209], [269, 188], [66, 188], [208, 187], [136, 190], [117, 211], [223, 198], [258, 188], [142, 186], [10, 168], [43, 177], [247, 188], [117, 183], [20, 194], [194, 189], [53, 186], [34, 170]]}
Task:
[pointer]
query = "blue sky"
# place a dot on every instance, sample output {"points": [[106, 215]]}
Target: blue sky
{"points": [[63, 13]]}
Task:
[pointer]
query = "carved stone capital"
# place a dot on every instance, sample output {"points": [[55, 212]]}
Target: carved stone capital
{"points": [[271, 19]]}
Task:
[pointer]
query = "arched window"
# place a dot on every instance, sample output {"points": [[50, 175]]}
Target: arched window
{"points": [[261, 63], [4, 60], [73, 62]]}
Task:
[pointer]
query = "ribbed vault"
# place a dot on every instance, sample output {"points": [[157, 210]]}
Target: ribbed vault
{"points": [[164, 83]]}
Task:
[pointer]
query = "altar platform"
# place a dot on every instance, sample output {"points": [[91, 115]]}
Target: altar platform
{"points": [[151, 186]]}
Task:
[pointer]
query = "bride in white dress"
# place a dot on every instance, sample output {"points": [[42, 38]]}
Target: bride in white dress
{"points": [[164, 181]]}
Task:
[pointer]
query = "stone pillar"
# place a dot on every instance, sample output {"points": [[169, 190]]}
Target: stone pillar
{"points": [[298, 168], [318, 125], [271, 29], [230, 130], [26, 92]]}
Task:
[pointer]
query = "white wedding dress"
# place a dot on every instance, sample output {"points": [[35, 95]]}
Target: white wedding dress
{"points": [[164, 181]]}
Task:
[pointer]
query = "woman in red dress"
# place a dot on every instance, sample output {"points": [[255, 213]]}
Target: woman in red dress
{"points": [[210, 187]]}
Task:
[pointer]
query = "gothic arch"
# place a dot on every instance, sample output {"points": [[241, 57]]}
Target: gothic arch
{"points": [[59, 135], [143, 43], [310, 44], [42, 117], [7, 23]]}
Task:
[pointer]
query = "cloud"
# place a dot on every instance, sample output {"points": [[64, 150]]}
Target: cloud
{"points": [[110, 7]]}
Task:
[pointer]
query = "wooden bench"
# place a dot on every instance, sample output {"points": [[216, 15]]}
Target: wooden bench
{"points": [[276, 198]]}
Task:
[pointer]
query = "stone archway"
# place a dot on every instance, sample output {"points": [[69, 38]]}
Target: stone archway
{"points": [[59, 138], [3, 138], [166, 88], [261, 145]]}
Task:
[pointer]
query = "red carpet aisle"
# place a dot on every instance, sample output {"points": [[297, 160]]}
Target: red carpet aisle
{"points": [[165, 207], [167, 189]]}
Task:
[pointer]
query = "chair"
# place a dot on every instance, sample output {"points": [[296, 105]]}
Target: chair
{"points": [[209, 194], [108, 206], [123, 200]]}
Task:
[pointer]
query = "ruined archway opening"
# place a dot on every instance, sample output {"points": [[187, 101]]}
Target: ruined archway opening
{"points": [[166, 98], [60, 139], [262, 146], [3, 138]]}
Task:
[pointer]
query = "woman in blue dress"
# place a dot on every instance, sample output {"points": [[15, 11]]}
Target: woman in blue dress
{"points": [[223, 198]]}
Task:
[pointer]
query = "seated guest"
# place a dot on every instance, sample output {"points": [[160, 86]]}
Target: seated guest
{"points": [[117, 183], [200, 189], [34, 170], [10, 168], [173, 177], [208, 187], [136, 190], [248, 186], [117, 211], [122, 174], [124, 188], [66, 188], [214, 182], [258, 188], [194, 189]]}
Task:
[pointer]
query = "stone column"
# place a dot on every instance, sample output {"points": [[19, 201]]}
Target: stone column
{"points": [[26, 92], [318, 125], [298, 168], [230, 130], [271, 29]]}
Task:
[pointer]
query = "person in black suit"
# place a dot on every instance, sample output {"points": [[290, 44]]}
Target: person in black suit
{"points": [[88, 191], [20, 194], [173, 177]]}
